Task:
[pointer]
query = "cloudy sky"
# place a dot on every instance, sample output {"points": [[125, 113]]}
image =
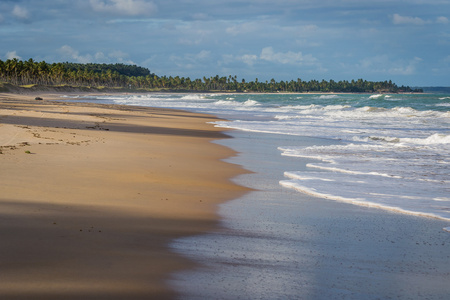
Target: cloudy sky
{"points": [[407, 41]]}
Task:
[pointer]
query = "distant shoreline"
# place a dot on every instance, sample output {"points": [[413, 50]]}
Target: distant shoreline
{"points": [[17, 89], [39, 89]]}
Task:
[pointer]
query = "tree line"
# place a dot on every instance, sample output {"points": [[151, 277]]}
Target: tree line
{"points": [[121, 69], [30, 72]]}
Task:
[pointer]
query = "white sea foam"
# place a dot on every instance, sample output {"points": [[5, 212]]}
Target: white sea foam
{"points": [[443, 105], [373, 174], [377, 96], [193, 97], [251, 103], [361, 202], [431, 140], [328, 96], [225, 102], [442, 199]]}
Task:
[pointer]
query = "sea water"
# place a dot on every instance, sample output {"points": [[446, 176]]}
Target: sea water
{"points": [[392, 151], [293, 238], [276, 243]]}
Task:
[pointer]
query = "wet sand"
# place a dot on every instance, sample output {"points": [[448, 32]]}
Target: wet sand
{"points": [[276, 243], [91, 196]]}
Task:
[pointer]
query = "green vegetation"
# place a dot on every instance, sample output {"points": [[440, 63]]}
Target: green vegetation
{"points": [[121, 69], [31, 74], [3, 88]]}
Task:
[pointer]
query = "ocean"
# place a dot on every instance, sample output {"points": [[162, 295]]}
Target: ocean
{"points": [[351, 201], [390, 151]]}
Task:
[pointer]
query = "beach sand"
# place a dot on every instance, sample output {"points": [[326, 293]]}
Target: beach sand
{"points": [[91, 196]]}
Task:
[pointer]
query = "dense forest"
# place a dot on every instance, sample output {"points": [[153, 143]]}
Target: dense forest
{"points": [[30, 72]]}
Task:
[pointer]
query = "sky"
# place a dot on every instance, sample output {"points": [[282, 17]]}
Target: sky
{"points": [[406, 41]]}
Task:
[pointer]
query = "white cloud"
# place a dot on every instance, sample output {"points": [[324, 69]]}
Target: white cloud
{"points": [[399, 20], [12, 54], [204, 54], [382, 64], [406, 69], [69, 53], [192, 33], [289, 57], [20, 13], [124, 7], [376, 64], [248, 59], [442, 20], [181, 62], [117, 56], [120, 56], [268, 54], [189, 60], [242, 28], [100, 57]]}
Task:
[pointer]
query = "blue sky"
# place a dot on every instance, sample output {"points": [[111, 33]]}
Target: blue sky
{"points": [[406, 41]]}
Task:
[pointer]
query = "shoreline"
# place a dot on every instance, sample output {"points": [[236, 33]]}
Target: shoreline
{"points": [[328, 197], [92, 195], [68, 90], [281, 244]]}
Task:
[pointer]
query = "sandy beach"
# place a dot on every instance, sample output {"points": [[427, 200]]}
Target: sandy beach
{"points": [[91, 196]]}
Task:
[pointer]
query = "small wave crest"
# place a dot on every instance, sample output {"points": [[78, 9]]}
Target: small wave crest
{"points": [[194, 97], [328, 96], [371, 109], [346, 171], [442, 199], [236, 104], [431, 140], [225, 102], [352, 192], [250, 102]]}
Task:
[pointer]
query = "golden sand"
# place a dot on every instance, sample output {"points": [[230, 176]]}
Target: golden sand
{"points": [[91, 196]]}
